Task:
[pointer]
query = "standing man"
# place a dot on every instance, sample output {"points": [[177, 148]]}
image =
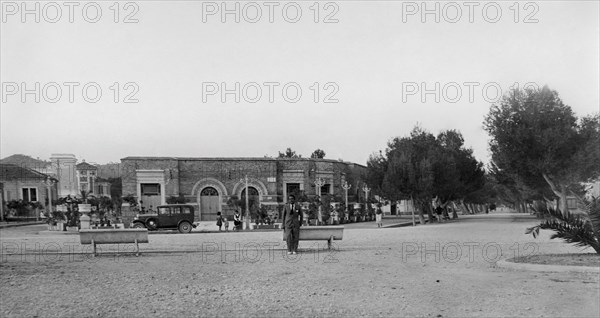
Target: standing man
{"points": [[292, 220]]}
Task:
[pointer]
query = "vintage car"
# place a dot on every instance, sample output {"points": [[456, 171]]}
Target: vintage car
{"points": [[171, 216]]}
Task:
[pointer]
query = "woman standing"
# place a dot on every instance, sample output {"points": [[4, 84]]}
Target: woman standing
{"points": [[237, 221]]}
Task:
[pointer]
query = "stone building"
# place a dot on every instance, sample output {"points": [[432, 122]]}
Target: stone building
{"points": [[88, 180], [210, 183], [63, 168]]}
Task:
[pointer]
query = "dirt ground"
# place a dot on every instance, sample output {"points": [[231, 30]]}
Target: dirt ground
{"points": [[437, 270], [592, 260]]}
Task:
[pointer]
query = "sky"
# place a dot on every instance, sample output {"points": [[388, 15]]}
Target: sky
{"points": [[180, 79]]}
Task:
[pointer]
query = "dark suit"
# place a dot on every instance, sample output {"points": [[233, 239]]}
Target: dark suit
{"points": [[292, 219]]}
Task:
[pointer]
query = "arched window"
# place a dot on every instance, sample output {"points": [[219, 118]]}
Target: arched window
{"points": [[251, 190], [209, 192]]}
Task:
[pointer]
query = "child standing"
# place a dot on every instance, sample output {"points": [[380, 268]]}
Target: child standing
{"points": [[226, 223], [378, 217]]}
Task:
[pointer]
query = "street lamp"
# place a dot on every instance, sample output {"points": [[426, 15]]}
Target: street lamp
{"points": [[319, 182], [49, 182], [245, 180], [346, 187], [366, 189]]}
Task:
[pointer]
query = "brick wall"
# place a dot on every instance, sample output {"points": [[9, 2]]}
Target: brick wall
{"points": [[185, 174]]}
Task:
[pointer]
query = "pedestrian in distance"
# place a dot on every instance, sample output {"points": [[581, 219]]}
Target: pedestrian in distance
{"points": [[237, 221], [378, 217], [292, 220], [439, 211], [219, 220]]}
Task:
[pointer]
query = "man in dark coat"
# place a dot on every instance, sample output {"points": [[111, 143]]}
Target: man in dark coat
{"points": [[292, 220]]}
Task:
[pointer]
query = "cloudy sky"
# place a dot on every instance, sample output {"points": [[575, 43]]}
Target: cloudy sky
{"points": [[342, 76]]}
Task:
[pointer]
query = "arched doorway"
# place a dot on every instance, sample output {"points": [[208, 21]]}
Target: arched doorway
{"points": [[253, 201], [209, 204]]}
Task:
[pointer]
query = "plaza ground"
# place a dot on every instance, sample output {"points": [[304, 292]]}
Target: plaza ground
{"points": [[436, 270]]}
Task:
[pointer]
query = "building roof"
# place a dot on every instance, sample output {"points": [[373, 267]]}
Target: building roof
{"points": [[85, 166], [14, 172], [240, 159], [25, 161]]}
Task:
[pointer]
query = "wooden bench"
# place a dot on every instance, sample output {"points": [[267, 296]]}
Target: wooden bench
{"points": [[321, 233], [267, 226], [114, 236]]}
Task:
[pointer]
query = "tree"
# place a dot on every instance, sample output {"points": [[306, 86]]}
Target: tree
{"points": [[409, 173], [289, 153], [376, 169], [538, 140], [422, 167], [116, 187], [318, 154]]}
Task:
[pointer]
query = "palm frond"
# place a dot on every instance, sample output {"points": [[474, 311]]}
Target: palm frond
{"points": [[571, 228]]}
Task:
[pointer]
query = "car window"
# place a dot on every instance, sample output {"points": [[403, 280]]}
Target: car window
{"points": [[175, 210], [164, 210], [186, 210]]}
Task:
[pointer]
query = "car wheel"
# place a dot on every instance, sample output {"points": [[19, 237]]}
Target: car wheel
{"points": [[138, 225], [151, 224], [185, 227]]}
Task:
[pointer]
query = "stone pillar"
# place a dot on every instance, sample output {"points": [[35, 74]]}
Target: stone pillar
{"points": [[84, 219], [127, 214]]}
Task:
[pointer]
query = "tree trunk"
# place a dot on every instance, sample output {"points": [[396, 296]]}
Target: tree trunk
{"points": [[560, 191], [427, 205], [465, 209], [564, 208], [412, 204], [421, 217], [454, 214]]}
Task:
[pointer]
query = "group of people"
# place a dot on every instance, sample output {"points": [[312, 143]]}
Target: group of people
{"points": [[442, 213], [222, 221]]}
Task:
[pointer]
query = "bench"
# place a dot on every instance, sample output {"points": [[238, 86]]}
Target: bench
{"points": [[267, 226], [321, 233], [114, 236]]}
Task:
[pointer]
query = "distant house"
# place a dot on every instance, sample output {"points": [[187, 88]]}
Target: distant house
{"points": [[89, 182], [29, 163], [28, 185], [60, 167]]}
